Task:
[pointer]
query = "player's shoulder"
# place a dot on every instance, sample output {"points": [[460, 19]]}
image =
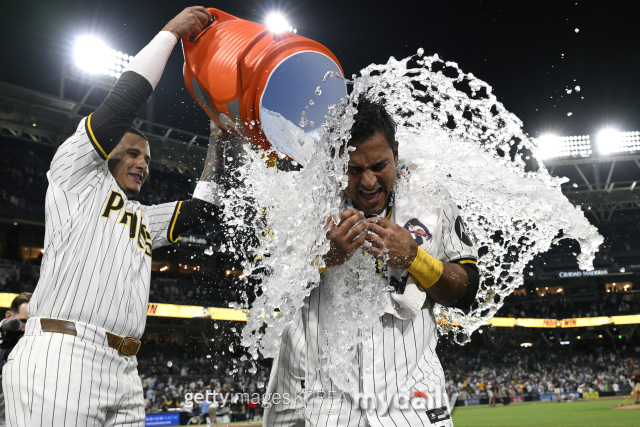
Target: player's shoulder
{"points": [[81, 130]]}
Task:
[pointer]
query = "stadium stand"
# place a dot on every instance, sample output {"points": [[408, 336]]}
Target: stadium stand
{"points": [[559, 306], [518, 371], [170, 371]]}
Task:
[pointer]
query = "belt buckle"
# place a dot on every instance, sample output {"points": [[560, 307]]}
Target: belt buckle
{"points": [[120, 347]]}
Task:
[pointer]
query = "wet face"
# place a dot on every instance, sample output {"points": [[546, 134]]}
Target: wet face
{"points": [[129, 163], [372, 174]]}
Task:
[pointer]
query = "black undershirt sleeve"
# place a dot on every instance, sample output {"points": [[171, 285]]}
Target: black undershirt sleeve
{"points": [[472, 288], [190, 214], [111, 120]]}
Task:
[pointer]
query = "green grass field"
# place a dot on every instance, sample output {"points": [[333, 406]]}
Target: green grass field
{"points": [[591, 413], [595, 413]]}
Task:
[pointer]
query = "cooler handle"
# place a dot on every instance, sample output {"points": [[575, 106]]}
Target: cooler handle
{"points": [[218, 16]]}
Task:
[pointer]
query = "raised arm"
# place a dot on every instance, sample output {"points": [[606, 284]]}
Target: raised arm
{"points": [[108, 124], [207, 195], [79, 159]]}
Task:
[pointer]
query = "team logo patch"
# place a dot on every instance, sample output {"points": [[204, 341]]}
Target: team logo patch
{"points": [[418, 230], [438, 414], [461, 231]]}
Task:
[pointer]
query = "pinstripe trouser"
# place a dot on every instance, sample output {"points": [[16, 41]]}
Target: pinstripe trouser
{"points": [[286, 418], [294, 418], [53, 379]]}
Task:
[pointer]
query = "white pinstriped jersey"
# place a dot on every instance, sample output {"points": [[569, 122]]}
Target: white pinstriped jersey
{"points": [[398, 362], [96, 266]]}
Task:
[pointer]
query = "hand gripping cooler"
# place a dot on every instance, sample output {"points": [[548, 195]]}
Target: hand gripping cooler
{"points": [[257, 84]]}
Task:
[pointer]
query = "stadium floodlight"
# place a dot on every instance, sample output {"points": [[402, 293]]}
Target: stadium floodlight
{"points": [[277, 23], [550, 146], [611, 141], [93, 56]]}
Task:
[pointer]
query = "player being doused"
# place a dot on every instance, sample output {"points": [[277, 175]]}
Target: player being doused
{"points": [[426, 257], [76, 364]]}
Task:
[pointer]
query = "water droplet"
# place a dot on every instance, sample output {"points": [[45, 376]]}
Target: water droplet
{"points": [[318, 90], [303, 119]]}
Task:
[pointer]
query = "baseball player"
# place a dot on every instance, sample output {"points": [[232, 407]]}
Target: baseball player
{"points": [[397, 377], [76, 364], [635, 386]]}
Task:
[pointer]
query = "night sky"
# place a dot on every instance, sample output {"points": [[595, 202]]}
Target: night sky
{"points": [[529, 52]]}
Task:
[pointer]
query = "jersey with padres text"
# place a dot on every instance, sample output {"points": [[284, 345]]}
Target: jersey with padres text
{"points": [[96, 265]]}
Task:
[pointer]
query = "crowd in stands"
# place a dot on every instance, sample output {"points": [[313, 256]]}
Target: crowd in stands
{"points": [[622, 232], [169, 372], [516, 371], [17, 277], [162, 187], [567, 307], [173, 289], [23, 180], [201, 290]]}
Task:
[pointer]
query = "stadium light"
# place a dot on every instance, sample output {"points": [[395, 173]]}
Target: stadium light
{"points": [[550, 146], [277, 23], [95, 57], [611, 141]]}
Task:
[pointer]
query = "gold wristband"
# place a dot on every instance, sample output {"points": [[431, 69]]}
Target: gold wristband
{"points": [[426, 269]]}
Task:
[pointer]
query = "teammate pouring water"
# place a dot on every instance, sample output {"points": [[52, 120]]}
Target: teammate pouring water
{"points": [[76, 364]]}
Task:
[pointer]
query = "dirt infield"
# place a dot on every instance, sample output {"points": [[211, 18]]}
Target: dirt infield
{"points": [[631, 406]]}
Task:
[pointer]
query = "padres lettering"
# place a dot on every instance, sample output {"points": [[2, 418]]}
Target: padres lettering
{"points": [[116, 203]]}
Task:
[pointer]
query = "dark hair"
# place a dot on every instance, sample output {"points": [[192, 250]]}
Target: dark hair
{"points": [[137, 132], [370, 119], [19, 300]]}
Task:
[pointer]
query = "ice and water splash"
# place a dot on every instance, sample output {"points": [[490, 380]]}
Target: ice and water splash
{"points": [[455, 135]]}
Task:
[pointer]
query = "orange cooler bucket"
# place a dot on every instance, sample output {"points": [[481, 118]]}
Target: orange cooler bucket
{"points": [[268, 87]]}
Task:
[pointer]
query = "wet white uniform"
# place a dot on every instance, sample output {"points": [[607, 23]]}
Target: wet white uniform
{"points": [[95, 271], [397, 364]]}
